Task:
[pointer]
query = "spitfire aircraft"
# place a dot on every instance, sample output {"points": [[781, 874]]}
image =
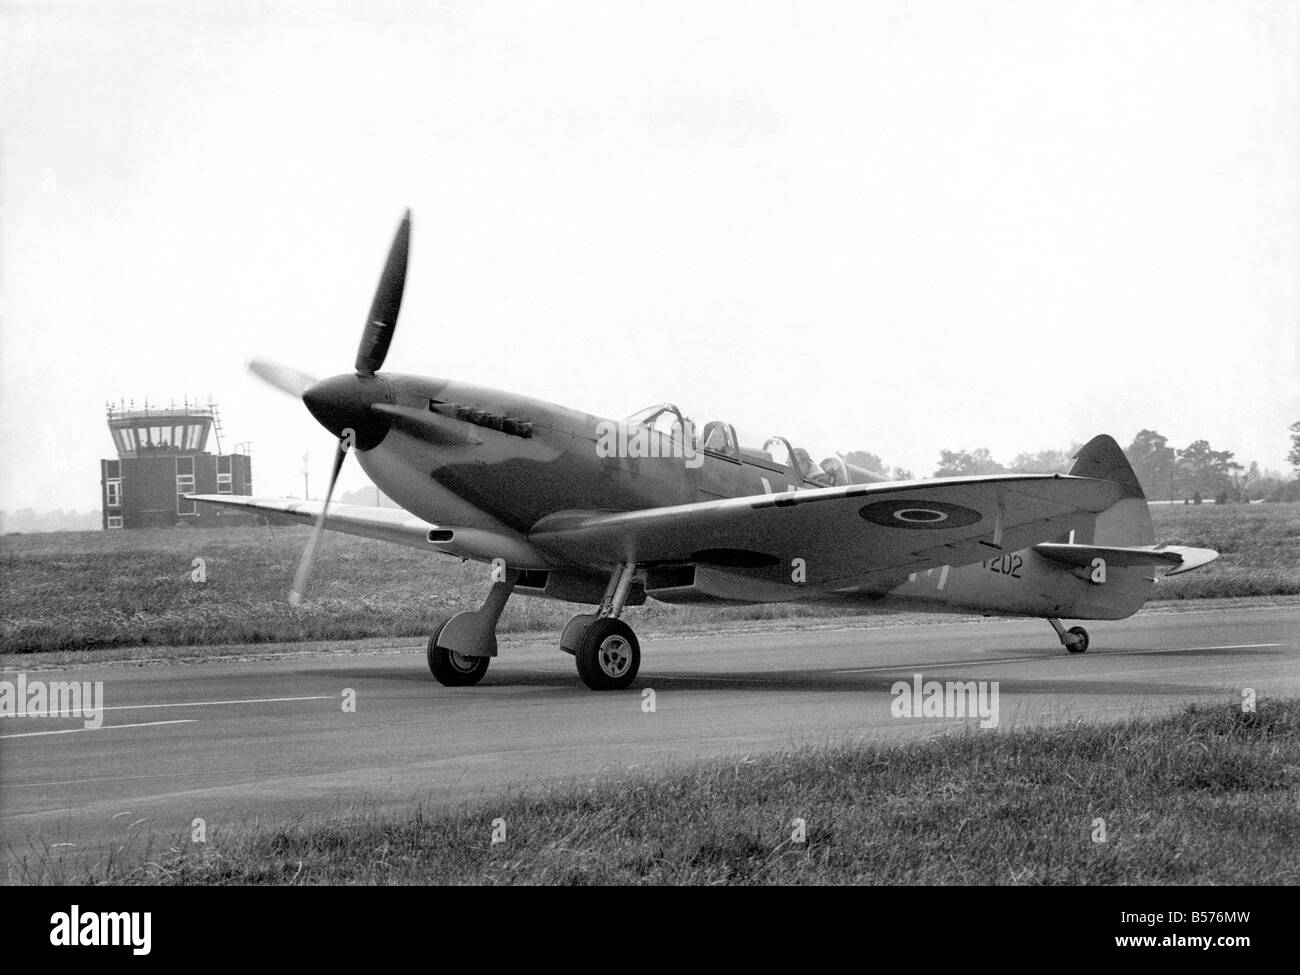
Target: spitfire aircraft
{"points": [[574, 507]]}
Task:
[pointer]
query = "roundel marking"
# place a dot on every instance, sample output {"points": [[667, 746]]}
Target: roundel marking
{"points": [[902, 513], [920, 515]]}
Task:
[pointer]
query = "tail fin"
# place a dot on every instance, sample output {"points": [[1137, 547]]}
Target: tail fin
{"points": [[1128, 520], [1114, 562]]}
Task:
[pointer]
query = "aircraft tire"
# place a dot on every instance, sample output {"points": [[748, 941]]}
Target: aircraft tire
{"points": [[1082, 645], [608, 655], [451, 669]]}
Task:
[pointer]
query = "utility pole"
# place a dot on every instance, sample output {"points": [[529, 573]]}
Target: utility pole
{"points": [[306, 493]]}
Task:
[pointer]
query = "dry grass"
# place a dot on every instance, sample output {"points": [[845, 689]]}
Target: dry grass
{"points": [[1207, 796], [86, 590], [1258, 546]]}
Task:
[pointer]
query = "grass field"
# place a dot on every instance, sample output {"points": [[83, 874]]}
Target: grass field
{"points": [[1207, 796], [1258, 546], [85, 590]]}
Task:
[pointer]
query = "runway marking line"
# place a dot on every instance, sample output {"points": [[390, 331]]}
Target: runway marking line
{"points": [[204, 704], [1230, 646], [125, 778], [106, 727], [1015, 660]]}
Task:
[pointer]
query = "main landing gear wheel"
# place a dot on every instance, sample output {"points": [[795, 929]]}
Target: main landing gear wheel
{"points": [[608, 655], [1081, 644], [452, 669]]}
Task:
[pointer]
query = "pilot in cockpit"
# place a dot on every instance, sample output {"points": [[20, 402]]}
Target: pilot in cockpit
{"points": [[715, 438], [809, 470]]}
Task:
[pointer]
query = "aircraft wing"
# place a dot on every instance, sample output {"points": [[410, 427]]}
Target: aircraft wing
{"points": [[385, 524], [395, 525], [845, 535]]}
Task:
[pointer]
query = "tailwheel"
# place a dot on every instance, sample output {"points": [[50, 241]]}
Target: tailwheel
{"points": [[608, 655], [1075, 639], [452, 669]]}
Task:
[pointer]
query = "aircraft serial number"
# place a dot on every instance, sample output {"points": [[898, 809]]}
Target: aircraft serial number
{"points": [[1008, 565]]}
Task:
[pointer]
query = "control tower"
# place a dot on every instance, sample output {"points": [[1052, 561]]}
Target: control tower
{"points": [[162, 455]]}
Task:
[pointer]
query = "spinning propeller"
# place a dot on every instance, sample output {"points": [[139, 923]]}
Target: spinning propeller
{"points": [[343, 404]]}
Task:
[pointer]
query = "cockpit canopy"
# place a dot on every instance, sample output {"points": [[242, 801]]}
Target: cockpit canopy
{"points": [[720, 439]]}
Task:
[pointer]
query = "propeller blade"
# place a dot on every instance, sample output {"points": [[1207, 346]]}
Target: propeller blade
{"points": [[381, 323], [291, 381], [303, 574]]}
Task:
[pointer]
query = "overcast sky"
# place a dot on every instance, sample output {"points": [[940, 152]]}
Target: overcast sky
{"points": [[898, 226]]}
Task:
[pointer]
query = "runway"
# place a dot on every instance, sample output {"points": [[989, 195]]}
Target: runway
{"points": [[269, 740]]}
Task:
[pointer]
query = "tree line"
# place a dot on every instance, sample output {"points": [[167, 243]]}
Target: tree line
{"points": [[1191, 474]]}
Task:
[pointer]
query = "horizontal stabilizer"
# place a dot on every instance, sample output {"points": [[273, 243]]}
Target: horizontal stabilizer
{"points": [[1176, 558]]}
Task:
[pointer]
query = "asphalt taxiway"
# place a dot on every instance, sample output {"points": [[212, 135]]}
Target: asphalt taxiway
{"points": [[266, 740]]}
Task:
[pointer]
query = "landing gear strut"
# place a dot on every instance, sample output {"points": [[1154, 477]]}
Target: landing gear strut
{"points": [[461, 647], [1075, 639], [605, 648]]}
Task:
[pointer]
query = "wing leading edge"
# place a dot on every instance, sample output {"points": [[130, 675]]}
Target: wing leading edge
{"points": [[385, 524], [398, 526]]}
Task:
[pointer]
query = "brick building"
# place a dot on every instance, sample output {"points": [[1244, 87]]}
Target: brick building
{"points": [[161, 457]]}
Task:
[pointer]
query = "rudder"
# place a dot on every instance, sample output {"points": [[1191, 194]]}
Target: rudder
{"points": [[1128, 520]]}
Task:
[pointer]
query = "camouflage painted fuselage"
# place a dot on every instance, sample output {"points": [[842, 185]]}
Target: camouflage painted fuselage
{"points": [[482, 459]]}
